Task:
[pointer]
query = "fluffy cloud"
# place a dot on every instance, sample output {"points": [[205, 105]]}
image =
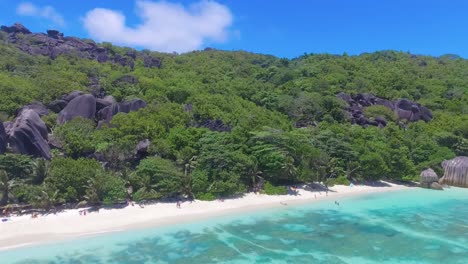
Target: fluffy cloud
{"points": [[165, 26], [48, 12]]}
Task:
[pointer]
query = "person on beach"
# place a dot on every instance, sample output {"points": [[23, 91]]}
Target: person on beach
{"points": [[178, 204]]}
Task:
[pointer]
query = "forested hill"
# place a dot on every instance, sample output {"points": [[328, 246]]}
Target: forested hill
{"points": [[215, 123]]}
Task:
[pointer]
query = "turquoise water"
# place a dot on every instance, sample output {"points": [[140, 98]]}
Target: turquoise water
{"points": [[416, 226]]}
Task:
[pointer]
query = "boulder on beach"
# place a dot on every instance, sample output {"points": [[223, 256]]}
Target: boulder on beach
{"points": [[455, 172], [427, 179]]}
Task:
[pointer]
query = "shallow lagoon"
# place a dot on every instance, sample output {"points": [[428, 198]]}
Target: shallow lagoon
{"points": [[411, 226]]}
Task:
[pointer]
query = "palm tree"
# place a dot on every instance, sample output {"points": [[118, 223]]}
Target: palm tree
{"points": [[48, 199], [289, 167], [41, 170], [189, 167], [4, 187], [6, 184]]}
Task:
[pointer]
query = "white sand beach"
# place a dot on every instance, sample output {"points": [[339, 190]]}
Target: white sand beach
{"points": [[23, 230]]}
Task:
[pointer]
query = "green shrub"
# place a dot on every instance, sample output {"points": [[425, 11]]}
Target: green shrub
{"points": [[379, 110], [206, 197], [50, 120], [269, 189], [341, 180]]}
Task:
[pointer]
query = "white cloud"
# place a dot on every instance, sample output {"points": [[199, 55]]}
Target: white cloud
{"points": [[48, 12], [165, 26]]}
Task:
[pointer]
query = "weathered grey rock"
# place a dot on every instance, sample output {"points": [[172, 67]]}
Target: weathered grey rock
{"points": [[151, 62], [28, 135], [411, 111], [106, 114], [54, 44], [16, 28], [72, 95], [436, 186], [3, 138], [143, 146], [381, 120], [37, 107], [82, 106], [94, 87], [403, 109], [7, 125], [142, 149], [57, 105], [427, 177], [55, 34], [455, 172], [104, 102], [345, 97]]}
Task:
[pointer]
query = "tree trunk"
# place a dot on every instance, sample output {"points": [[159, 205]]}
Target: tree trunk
{"points": [[5, 194]]}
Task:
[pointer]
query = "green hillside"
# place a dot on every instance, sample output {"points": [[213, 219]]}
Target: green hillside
{"points": [[220, 122]]}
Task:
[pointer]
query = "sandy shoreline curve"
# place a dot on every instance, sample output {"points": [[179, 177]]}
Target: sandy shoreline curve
{"points": [[22, 231]]}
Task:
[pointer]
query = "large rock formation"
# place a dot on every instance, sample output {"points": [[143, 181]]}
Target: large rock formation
{"points": [[54, 44], [403, 109], [70, 96], [106, 114], [411, 111], [28, 135], [456, 172], [82, 105], [16, 28], [104, 102], [429, 179], [37, 107], [57, 105]]}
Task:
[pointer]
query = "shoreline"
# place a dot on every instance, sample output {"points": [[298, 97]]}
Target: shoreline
{"points": [[24, 231]]}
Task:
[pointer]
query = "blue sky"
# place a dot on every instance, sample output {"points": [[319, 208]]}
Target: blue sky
{"points": [[282, 28]]}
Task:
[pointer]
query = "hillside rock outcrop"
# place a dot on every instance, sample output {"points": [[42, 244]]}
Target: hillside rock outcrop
{"points": [[403, 109], [54, 44], [82, 105], [15, 28], [37, 107], [57, 105], [28, 135], [106, 114], [104, 102]]}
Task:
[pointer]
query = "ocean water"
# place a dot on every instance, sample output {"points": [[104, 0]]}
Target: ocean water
{"points": [[411, 226]]}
